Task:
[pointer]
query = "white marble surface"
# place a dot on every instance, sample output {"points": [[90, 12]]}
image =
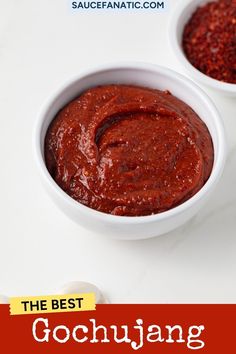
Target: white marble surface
{"points": [[41, 45]]}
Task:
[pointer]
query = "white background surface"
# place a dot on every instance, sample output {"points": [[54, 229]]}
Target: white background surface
{"points": [[42, 44]]}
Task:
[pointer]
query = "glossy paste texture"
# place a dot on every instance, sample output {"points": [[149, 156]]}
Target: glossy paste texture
{"points": [[128, 150]]}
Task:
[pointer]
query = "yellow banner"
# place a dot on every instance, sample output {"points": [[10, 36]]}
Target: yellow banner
{"points": [[53, 303]]}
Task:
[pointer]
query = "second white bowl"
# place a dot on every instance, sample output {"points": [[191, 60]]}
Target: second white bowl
{"points": [[180, 17]]}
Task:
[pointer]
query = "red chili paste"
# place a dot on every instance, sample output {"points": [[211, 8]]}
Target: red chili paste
{"points": [[128, 150], [209, 40]]}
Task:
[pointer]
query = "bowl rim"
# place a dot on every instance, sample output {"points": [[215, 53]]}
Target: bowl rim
{"points": [[114, 219], [179, 53]]}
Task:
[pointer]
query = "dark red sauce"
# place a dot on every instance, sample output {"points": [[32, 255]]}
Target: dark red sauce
{"points": [[128, 150]]}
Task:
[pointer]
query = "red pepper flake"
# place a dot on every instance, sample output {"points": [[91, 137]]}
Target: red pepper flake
{"points": [[209, 40]]}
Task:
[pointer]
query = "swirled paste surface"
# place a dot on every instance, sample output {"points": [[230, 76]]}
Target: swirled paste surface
{"points": [[128, 150]]}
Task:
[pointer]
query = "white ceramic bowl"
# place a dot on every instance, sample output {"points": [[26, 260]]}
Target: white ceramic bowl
{"points": [[183, 12], [145, 75]]}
